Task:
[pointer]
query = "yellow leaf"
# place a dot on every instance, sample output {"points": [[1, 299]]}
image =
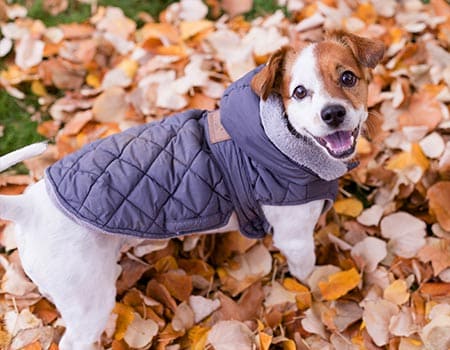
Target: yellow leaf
{"points": [[303, 294], [198, 336], [397, 292], [13, 74], [125, 315], [129, 66], [406, 160], [260, 325], [363, 146], [191, 28], [339, 284], [264, 341], [165, 264], [93, 80], [5, 339], [359, 341], [38, 88], [348, 206], [289, 345]]}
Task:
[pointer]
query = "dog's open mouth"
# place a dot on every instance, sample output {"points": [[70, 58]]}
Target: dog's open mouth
{"points": [[340, 144]]}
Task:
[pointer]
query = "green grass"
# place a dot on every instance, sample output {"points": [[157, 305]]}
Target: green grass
{"points": [[77, 12], [264, 7], [19, 130]]}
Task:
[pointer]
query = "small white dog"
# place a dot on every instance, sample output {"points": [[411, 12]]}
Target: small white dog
{"points": [[268, 160]]}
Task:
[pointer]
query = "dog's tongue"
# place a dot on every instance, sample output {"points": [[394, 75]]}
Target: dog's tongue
{"points": [[340, 141]]}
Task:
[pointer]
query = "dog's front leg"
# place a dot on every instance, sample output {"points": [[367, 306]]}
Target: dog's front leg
{"points": [[293, 229]]}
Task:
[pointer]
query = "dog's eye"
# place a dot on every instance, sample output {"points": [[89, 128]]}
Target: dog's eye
{"points": [[300, 92], [348, 79]]}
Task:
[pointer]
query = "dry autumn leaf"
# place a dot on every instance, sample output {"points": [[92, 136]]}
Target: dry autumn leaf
{"points": [[438, 196], [348, 206], [377, 316], [227, 335], [339, 284]]}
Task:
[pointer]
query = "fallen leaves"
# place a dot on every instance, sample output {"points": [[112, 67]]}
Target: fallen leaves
{"points": [[383, 278], [339, 284], [438, 196]]}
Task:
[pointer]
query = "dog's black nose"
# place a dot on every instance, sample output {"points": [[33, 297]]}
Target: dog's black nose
{"points": [[333, 115]]}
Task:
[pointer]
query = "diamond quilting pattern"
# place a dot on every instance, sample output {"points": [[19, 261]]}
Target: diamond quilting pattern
{"points": [[147, 181]]}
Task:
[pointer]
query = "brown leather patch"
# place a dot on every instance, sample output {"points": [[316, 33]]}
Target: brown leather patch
{"points": [[217, 132]]}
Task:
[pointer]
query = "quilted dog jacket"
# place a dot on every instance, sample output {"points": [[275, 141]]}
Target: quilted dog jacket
{"points": [[170, 178]]}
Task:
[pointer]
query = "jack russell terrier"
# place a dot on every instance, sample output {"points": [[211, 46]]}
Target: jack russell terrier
{"points": [[269, 159]]}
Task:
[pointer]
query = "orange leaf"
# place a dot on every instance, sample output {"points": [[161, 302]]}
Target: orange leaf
{"points": [[303, 294], [339, 284], [366, 12], [33, 346], [435, 289], [265, 340]]}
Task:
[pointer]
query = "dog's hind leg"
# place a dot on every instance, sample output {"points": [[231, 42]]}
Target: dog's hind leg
{"points": [[74, 266]]}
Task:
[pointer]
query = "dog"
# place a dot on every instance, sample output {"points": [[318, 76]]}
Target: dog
{"points": [[267, 160]]}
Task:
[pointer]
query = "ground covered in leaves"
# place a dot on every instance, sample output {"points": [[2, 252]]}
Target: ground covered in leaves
{"points": [[383, 274]]}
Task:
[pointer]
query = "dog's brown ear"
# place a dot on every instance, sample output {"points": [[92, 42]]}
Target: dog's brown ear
{"points": [[269, 79], [369, 52]]}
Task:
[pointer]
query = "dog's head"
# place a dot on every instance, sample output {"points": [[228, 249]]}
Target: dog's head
{"points": [[323, 87]]}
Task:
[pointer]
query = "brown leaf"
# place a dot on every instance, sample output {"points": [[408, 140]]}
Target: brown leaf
{"points": [[439, 202], [438, 252], [45, 311], [423, 110], [178, 285], [63, 74], [110, 106], [160, 293], [132, 271]]}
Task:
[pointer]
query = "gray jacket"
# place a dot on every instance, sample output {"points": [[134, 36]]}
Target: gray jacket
{"points": [[173, 177]]}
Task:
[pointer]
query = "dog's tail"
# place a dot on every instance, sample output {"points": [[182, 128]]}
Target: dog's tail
{"points": [[11, 206], [10, 159]]}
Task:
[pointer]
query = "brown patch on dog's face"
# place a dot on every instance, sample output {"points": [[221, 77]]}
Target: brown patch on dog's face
{"points": [[274, 77], [333, 60]]}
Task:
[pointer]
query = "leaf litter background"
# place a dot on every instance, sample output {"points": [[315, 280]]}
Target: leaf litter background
{"points": [[383, 280]]}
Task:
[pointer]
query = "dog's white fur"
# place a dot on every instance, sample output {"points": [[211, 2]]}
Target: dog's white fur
{"points": [[77, 268]]}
